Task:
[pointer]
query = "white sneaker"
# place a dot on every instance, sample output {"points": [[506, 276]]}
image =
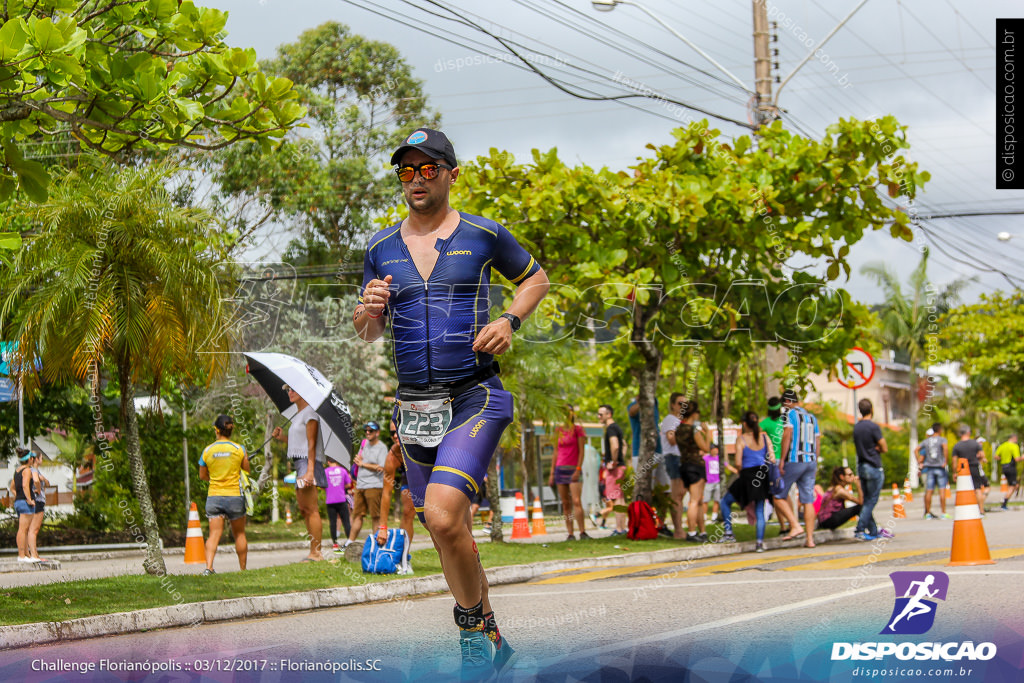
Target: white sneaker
{"points": [[26, 559]]}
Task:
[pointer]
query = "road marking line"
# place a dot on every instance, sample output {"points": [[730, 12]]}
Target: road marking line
{"points": [[764, 614], [605, 573], [860, 561], [758, 561], [508, 592], [998, 554]]}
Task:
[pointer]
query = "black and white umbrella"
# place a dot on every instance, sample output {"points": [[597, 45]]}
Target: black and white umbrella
{"points": [[274, 370]]}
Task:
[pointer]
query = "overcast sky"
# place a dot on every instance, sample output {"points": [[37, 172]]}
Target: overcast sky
{"points": [[931, 63]]}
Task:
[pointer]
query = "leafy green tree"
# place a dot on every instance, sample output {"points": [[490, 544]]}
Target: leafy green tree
{"points": [[909, 322], [122, 75], [329, 179], [116, 274], [691, 245], [987, 339]]}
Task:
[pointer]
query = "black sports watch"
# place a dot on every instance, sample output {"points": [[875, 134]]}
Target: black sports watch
{"points": [[513, 320]]}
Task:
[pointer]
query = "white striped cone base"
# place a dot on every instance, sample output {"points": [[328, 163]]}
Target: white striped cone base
{"points": [[969, 546]]}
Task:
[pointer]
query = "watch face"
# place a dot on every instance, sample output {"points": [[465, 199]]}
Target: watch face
{"points": [[513, 320]]}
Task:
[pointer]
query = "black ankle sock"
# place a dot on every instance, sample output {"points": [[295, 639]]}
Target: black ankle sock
{"points": [[491, 629], [471, 619]]}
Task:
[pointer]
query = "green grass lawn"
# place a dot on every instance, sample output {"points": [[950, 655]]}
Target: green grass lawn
{"points": [[59, 601]]}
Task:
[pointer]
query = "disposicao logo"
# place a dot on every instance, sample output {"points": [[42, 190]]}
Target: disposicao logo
{"points": [[416, 138], [916, 593], [913, 614]]}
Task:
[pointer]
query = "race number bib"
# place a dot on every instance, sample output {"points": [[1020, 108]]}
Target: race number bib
{"points": [[424, 422]]}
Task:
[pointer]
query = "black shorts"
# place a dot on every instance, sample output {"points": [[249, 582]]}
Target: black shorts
{"points": [[692, 473], [977, 477], [1010, 470]]}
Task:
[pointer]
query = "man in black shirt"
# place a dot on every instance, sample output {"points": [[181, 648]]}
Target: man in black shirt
{"points": [[614, 465], [870, 444], [970, 450]]}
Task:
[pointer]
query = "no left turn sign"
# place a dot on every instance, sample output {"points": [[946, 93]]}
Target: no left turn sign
{"points": [[857, 369]]}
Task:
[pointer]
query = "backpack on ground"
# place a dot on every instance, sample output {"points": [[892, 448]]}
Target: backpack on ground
{"points": [[643, 523], [384, 559]]}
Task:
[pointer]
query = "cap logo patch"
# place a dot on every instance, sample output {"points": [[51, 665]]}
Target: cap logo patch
{"points": [[416, 138]]}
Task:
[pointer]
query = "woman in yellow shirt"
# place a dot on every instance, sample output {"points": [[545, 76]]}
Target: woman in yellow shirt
{"points": [[221, 464]]}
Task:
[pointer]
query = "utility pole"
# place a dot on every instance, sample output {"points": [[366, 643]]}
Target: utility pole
{"points": [[764, 111]]}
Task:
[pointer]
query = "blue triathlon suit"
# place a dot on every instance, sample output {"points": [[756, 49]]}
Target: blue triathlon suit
{"points": [[433, 325]]}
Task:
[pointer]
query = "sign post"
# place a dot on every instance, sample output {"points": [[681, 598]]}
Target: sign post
{"points": [[855, 371]]}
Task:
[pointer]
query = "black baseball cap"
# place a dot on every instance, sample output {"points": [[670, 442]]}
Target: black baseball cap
{"points": [[433, 143], [789, 396]]}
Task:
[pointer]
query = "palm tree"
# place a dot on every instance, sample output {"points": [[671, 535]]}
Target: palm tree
{"points": [[908, 322], [116, 276]]}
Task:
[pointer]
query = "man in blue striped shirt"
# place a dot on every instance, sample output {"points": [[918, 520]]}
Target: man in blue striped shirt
{"points": [[801, 447]]}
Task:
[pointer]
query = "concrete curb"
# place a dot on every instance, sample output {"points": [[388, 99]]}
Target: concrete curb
{"points": [[11, 566], [193, 614]]}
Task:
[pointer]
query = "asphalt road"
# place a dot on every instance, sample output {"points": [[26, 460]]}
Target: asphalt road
{"points": [[766, 617]]}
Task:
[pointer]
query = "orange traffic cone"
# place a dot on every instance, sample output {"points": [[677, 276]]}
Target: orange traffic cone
{"points": [[288, 516], [897, 503], [538, 518], [520, 525], [195, 546], [969, 543], [1004, 488], [949, 492], [908, 493]]}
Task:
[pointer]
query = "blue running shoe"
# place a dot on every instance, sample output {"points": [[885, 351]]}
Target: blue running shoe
{"points": [[504, 657], [476, 656]]}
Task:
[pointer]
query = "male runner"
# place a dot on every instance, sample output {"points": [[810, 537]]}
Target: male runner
{"points": [[429, 276], [1009, 455], [915, 606]]}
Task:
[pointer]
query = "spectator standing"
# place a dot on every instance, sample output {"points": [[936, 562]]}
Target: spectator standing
{"points": [[692, 442], [713, 487], [567, 471], [39, 482], [1009, 455], [834, 512], [369, 482], [801, 448], [753, 455], [970, 450], [932, 458], [870, 444], [394, 480], [221, 464], [24, 503], [774, 425], [336, 499], [670, 451], [614, 465], [306, 452]]}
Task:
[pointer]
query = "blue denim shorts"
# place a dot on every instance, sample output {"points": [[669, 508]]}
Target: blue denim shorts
{"points": [[672, 462], [935, 478], [22, 508], [231, 507], [801, 474]]}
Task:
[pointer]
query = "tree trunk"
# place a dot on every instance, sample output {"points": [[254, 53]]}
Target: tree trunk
{"points": [[652, 356], [154, 562], [912, 456], [529, 460], [719, 412], [494, 499]]}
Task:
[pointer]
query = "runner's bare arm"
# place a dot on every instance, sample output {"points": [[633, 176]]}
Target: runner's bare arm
{"points": [[369, 315], [496, 337]]}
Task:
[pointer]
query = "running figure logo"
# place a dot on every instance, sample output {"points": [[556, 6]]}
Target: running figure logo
{"points": [[916, 592]]}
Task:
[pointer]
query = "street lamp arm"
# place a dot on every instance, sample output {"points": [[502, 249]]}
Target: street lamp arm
{"points": [[812, 52], [681, 37]]}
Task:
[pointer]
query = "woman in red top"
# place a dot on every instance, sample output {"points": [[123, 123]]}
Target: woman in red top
{"points": [[567, 470]]}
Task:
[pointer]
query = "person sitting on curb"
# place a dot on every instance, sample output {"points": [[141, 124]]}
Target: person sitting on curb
{"points": [[833, 512]]}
